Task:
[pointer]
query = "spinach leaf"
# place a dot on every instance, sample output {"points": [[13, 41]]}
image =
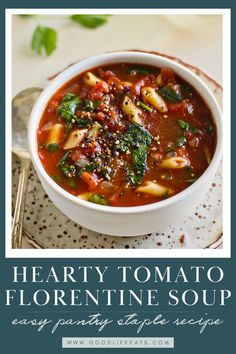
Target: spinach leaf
{"points": [[83, 122], [90, 21], [186, 126], [88, 105], [134, 136], [67, 169], [90, 167], [181, 141], [141, 71], [106, 172], [136, 139], [195, 130], [68, 107], [186, 90], [53, 147], [139, 160], [170, 95], [44, 39], [131, 175], [98, 199], [134, 179]]}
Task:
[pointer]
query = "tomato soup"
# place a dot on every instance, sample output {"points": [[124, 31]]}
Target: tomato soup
{"points": [[126, 135]]}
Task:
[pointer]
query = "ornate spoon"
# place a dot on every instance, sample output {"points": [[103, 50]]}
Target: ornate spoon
{"points": [[22, 105]]}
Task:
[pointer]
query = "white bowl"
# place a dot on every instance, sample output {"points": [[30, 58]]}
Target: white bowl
{"points": [[125, 221]]}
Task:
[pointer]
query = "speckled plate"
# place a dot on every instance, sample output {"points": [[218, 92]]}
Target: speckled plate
{"points": [[46, 227]]}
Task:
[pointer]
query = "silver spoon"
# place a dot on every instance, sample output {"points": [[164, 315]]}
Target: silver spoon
{"points": [[22, 105]]}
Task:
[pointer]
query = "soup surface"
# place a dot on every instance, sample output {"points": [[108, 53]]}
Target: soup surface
{"points": [[126, 135]]}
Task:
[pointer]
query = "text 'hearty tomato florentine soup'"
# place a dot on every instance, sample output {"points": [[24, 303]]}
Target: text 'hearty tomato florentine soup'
{"points": [[126, 135]]}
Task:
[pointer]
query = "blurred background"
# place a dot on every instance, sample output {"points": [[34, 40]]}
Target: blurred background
{"points": [[196, 39]]}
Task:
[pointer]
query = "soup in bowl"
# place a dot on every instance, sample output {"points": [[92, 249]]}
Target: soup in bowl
{"points": [[123, 140]]}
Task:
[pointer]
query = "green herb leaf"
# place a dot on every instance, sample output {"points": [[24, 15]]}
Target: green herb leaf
{"points": [[181, 141], [67, 169], [139, 160], [186, 126], [186, 90], [67, 108], [52, 147], [136, 139], [88, 105], [170, 95], [134, 179], [138, 70], [90, 21], [106, 172], [90, 167], [98, 199], [195, 130], [83, 122], [134, 136], [63, 159], [144, 106], [44, 40]]}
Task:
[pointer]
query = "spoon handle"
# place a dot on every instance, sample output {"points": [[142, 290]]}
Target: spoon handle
{"points": [[20, 204]]}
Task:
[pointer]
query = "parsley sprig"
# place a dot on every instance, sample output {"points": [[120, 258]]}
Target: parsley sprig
{"points": [[44, 39], [90, 21]]}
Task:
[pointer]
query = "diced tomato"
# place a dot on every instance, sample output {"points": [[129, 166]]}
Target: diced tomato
{"points": [[54, 103], [111, 119], [116, 83], [100, 116], [92, 147], [182, 108], [91, 179], [167, 75], [114, 116], [76, 155], [188, 135], [98, 90], [106, 74]]}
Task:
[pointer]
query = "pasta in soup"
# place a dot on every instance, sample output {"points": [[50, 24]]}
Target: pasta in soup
{"points": [[126, 135]]}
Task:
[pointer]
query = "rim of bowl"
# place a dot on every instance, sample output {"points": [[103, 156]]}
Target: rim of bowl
{"points": [[125, 57]]}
